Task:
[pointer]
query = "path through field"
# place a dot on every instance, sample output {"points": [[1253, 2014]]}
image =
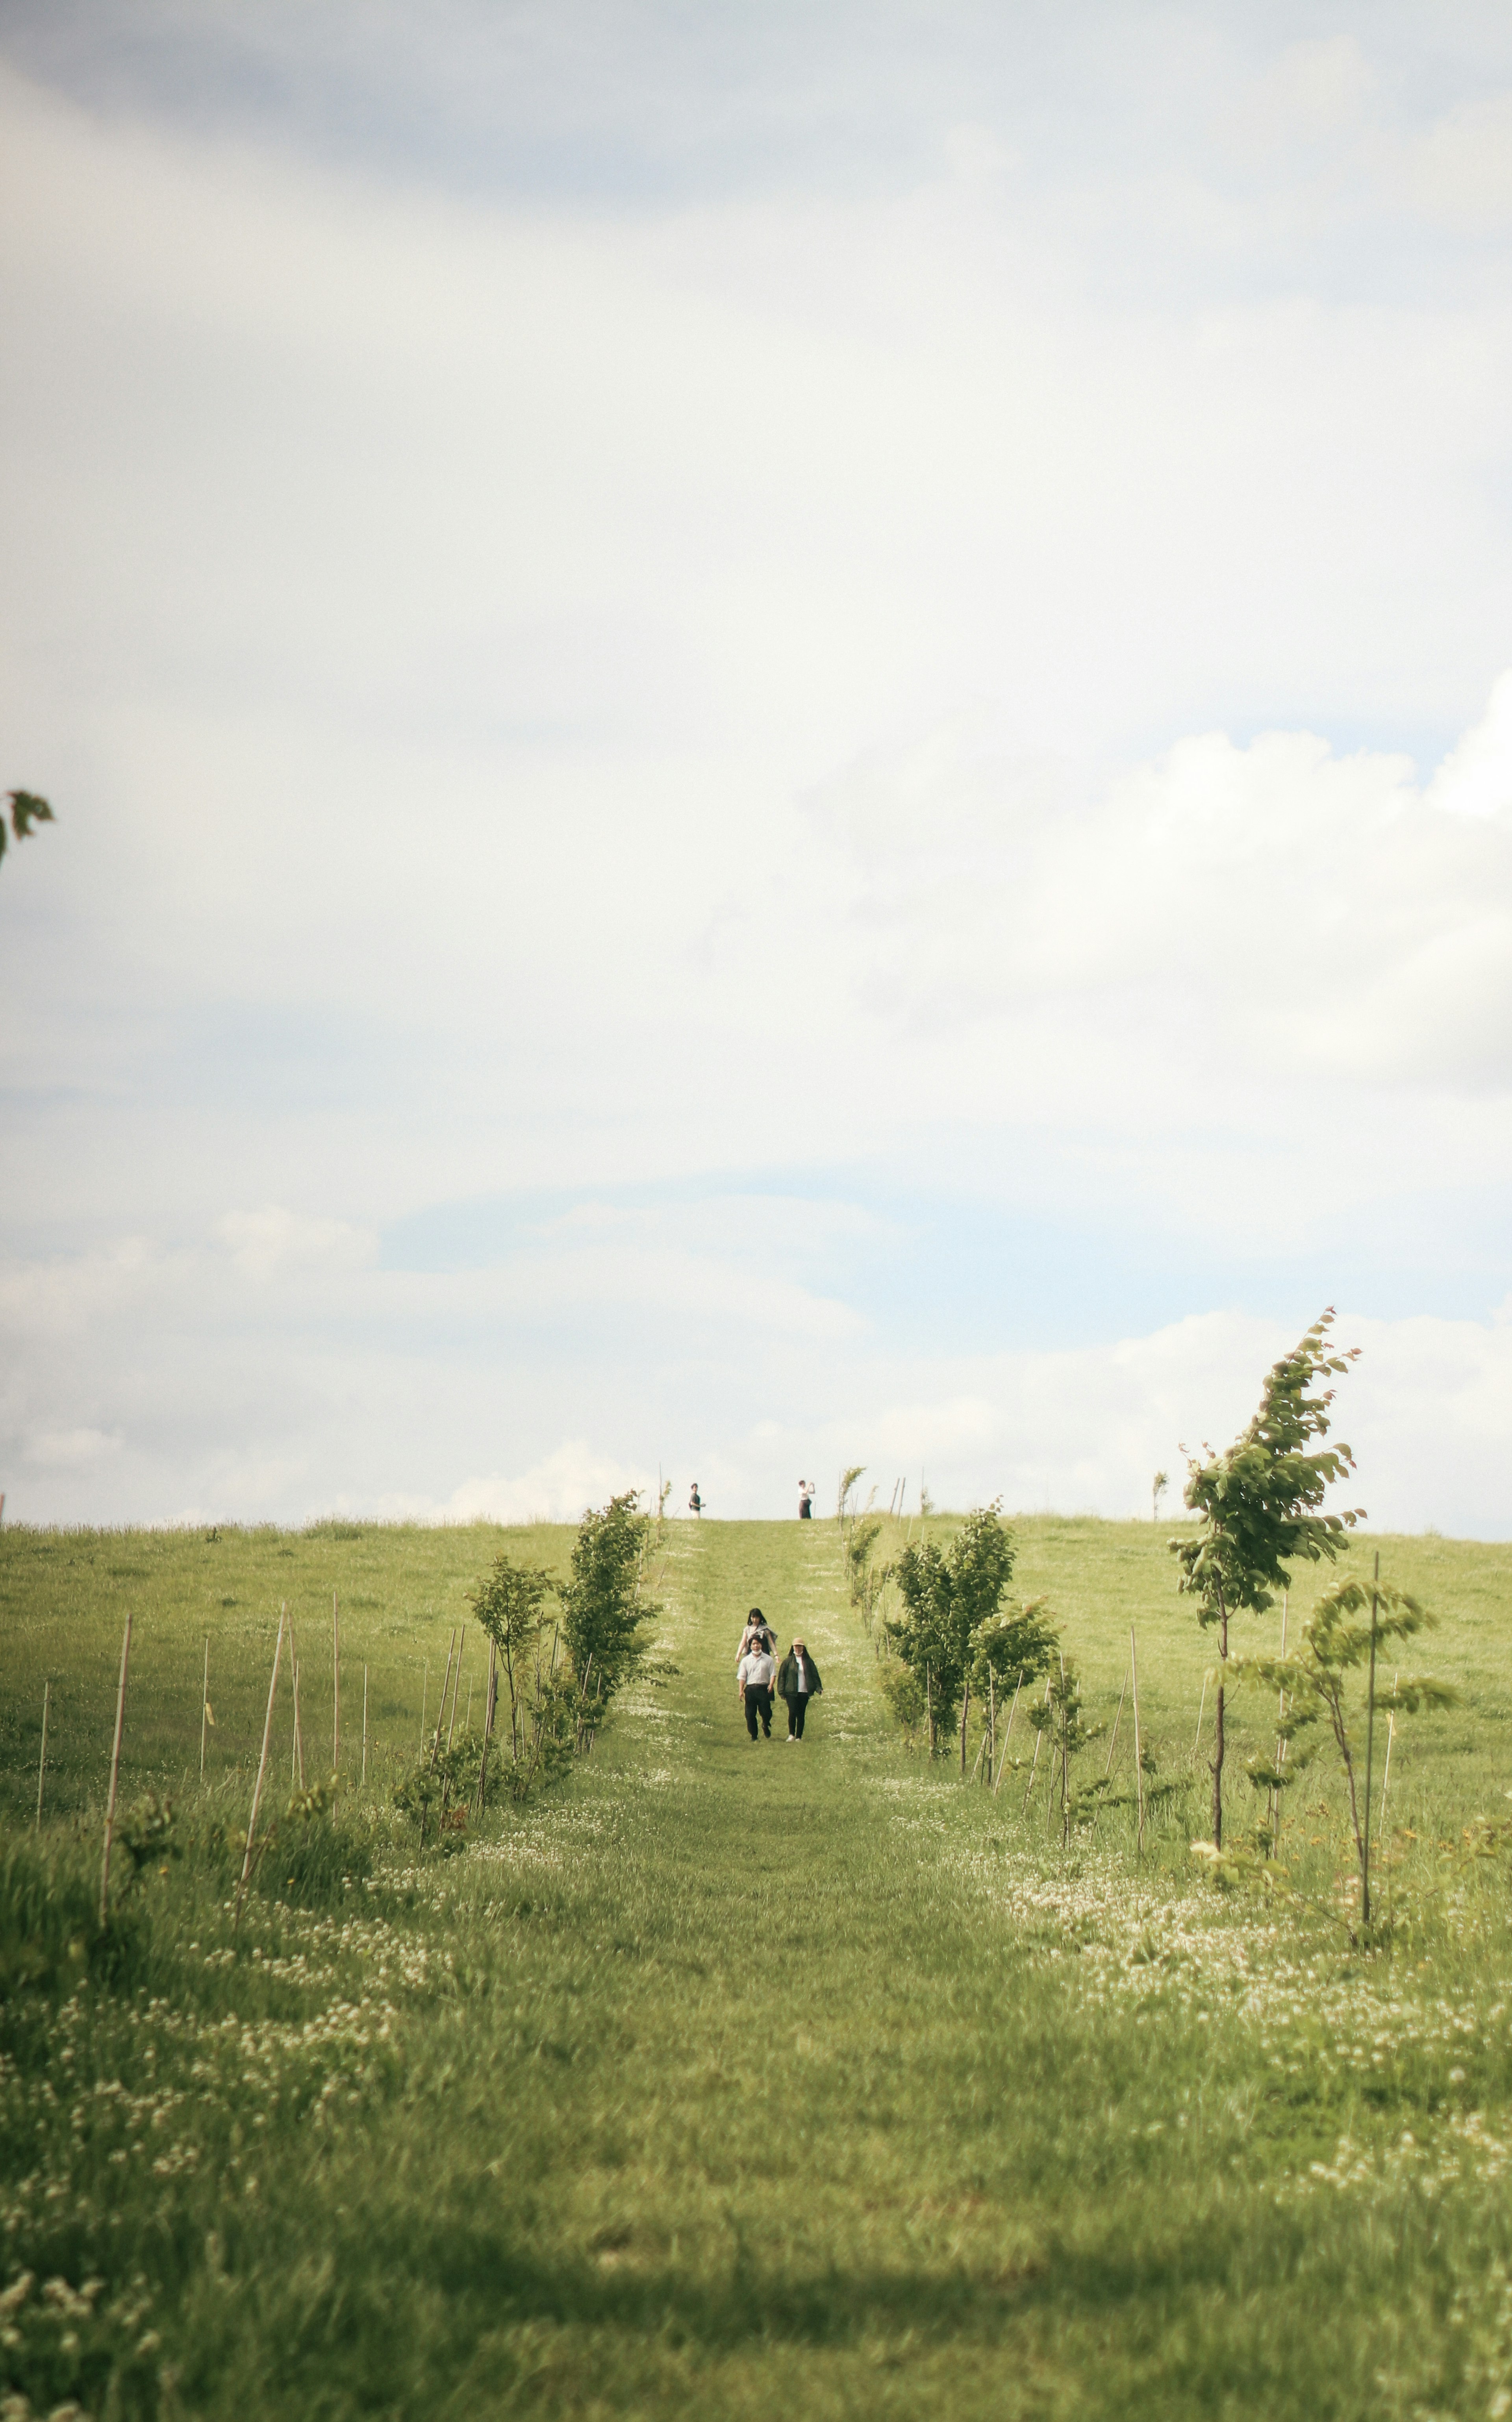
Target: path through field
{"points": [[752, 2082]]}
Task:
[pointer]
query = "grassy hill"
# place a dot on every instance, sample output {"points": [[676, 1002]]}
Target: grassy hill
{"points": [[738, 2081]]}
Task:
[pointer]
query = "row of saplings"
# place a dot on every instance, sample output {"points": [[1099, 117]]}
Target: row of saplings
{"points": [[558, 1653], [1259, 1509]]}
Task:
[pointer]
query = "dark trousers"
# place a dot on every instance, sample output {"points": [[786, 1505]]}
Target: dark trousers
{"points": [[758, 1703], [797, 1709]]}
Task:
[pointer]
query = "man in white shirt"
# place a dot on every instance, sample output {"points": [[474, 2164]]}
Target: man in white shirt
{"points": [[755, 1674]]}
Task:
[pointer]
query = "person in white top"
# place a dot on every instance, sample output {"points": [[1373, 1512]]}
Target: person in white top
{"points": [[754, 1675]]}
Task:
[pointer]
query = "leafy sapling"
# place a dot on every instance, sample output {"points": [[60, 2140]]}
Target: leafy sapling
{"points": [[603, 1606], [1061, 1720], [1344, 1634], [948, 1595], [510, 1603], [1259, 1506]]}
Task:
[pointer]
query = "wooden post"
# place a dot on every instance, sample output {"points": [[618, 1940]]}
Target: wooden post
{"points": [[1007, 1736], [114, 1773], [1033, 1763], [1280, 1718], [1117, 1720], [204, 1711], [1386, 1771], [966, 1702], [1201, 1708], [41, 1762], [1138, 1767], [1370, 1750], [455, 1688], [929, 1712], [299, 1744], [441, 1716], [365, 1727], [425, 1687], [336, 1684], [263, 1762], [992, 1726]]}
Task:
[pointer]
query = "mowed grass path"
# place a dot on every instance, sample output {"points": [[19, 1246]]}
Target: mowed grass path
{"points": [[758, 2081]]}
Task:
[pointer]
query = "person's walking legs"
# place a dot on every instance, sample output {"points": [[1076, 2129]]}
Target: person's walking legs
{"points": [[759, 1703], [748, 1703]]}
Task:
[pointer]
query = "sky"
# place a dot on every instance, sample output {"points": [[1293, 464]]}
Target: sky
{"points": [[782, 737]]}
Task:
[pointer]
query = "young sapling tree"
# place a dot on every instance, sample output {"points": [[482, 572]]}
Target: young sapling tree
{"points": [[1062, 1718], [1345, 1632], [948, 1595], [1259, 1506], [511, 1605], [603, 1606]]}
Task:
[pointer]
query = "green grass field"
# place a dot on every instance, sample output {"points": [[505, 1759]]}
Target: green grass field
{"points": [[742, 2081]]}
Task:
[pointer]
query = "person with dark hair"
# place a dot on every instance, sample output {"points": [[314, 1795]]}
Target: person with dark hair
{"points": [[758, 1633], [695, 1503], [806, 1501], [797, 1682], [753, 1675]]}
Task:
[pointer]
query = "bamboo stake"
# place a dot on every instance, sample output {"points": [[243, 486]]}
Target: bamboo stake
{"points": [[1139, 1767], [965, 1703], [114, 1773], [336, 1684], [976, 1760], [1386, 1771], [1033, 1763], [1117, 1721], [455, 1688], [466, 1721], [1280, 1757], [1370, 1749], [1007, 1736], [204, 1713], [425, 1686], [257, 1789], [299, 1738], [1202, 1705], [991, 1735], [41, 1762], [364, 1727], [441, 1713]]}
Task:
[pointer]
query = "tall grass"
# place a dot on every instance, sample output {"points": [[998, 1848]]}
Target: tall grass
{"points": [[732, 2081]]}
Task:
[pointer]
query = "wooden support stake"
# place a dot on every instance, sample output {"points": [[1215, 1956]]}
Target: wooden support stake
{"points": [[114, 1773], [204, 1711], [1007, 1736], [1138, 1769], [41, 1762], [365, 1727], [441, 1715], [1117, 1720], [455, 1688], [966, 1702], [299, 1744], [1386, 1771], [336, 1684], [425, 1687], [1033, 1763], [263, 1763], [1201, 1708]]}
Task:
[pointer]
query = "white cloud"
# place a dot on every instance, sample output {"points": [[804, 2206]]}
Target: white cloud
{"points": [[717, 711]]}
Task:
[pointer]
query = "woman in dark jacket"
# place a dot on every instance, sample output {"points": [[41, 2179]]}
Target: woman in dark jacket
{"points": [[797, 1682]]}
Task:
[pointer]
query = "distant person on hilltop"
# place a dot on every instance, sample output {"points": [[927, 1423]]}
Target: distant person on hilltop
{"points": [[806, 1501], [753, 1675], [695, 1503], [798, 1683]]}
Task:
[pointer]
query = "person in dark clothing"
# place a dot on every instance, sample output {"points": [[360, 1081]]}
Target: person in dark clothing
{"points": [[806, 1501], [695, 1503], [797, 1682], [754, 1677]]}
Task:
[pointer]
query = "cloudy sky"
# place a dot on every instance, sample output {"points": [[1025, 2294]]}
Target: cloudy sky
{"points": [[782, 736]]}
